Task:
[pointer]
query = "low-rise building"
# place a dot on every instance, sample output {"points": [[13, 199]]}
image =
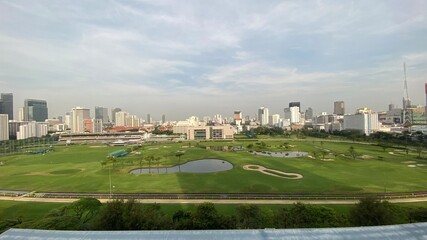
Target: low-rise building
{"points": [[210, 132]]}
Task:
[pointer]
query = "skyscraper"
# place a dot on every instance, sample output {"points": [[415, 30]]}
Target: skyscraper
{"points": [[339, 108], [425, 86], [148, 118], [163, 118], [35, 110], [309, 113], [263, 116], [113, 114], [4, 127], [102, 113], [295, 114], [6, 104], [79, 115], [295, 104]]}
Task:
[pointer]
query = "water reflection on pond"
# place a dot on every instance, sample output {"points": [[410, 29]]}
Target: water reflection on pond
{"points": [[198, 166]]}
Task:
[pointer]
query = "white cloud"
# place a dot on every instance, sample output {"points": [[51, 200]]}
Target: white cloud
{"points": [[195, 53]]}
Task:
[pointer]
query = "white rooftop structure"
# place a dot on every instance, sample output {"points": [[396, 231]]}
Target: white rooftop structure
{"points": [[405, 231]]}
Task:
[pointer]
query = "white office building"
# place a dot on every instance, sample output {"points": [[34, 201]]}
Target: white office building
{"points": [[263, 116], [295, 114], [366, 122], [274, 120], [4, 127]]}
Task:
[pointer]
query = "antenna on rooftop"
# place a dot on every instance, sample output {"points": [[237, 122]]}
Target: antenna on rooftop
{"points": [[406, 83]]}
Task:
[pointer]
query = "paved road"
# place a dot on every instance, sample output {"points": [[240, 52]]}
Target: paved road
{"points": [[216, 201]]}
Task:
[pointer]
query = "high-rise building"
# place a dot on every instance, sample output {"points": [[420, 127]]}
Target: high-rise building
{"points": [[274, 120], [287, 112], [6, 104], [237, 115], [364, 121], [163, 118], [148, 118], [263, 116], [79, 115], [121, 118], [425, 89], [113, 114], [93, 125], [339, 108], [32, 129], [294, 104], [35, 110], [4, 127], [391, 105], [295, 114], [309, 114], [102, 113]]}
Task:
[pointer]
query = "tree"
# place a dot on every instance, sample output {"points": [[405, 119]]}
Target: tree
{"points": [[250, 217], [206, 217], [157, 160], [352, 152], [418, 215], [179, 154], [324, 153], [304, 216], [85, 209], [315, 154], [182, 220], [149, 158], [110, 216], [419, 150], [373, 212], [103, 163]]}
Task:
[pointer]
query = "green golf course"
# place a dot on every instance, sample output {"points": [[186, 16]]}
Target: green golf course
{"points": [[327, 168]]}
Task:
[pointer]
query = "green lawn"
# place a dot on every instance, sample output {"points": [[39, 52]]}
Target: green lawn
{"points": [[77, 168]]}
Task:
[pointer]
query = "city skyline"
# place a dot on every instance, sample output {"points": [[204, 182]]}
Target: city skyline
{"points": [[199, 58]]}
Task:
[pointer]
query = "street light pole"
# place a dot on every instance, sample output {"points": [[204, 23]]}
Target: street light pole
{"points": [[109, 174]]}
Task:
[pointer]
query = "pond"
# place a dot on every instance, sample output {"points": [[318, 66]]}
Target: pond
{"points": [[198, 166], [280, 154]]}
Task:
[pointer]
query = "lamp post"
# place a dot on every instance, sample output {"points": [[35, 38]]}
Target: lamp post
{"points": [[109, 175]]}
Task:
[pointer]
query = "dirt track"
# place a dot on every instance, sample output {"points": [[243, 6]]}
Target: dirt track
{"points": [[216, 201]]}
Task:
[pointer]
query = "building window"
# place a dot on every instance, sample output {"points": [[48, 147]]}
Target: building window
{"points": [[200, 134], [217, 134]]}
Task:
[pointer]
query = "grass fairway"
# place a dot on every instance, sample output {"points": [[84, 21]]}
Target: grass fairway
{"points": [[77, 169]]}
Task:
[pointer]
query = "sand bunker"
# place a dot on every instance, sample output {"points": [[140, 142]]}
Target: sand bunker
{"points": [[328, 160], [272, 172], [321, 159], [409, 162], [410, 165], [391, 153], [421, 165]]}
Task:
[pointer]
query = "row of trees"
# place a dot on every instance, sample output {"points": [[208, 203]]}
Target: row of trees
{"points": [[90, 214], [383, 138]]}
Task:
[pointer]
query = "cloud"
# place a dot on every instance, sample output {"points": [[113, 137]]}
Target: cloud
{"points": [[202, 55]]}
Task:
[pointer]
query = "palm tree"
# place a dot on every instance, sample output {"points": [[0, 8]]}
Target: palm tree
{"points": [[179, 154], [157, 160], [149, 159]]}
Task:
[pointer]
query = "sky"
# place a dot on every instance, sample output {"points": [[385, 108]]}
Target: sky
{"points": [[184, 58]]}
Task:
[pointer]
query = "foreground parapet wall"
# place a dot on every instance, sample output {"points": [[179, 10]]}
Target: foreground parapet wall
{"points": [[405, 231]]}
